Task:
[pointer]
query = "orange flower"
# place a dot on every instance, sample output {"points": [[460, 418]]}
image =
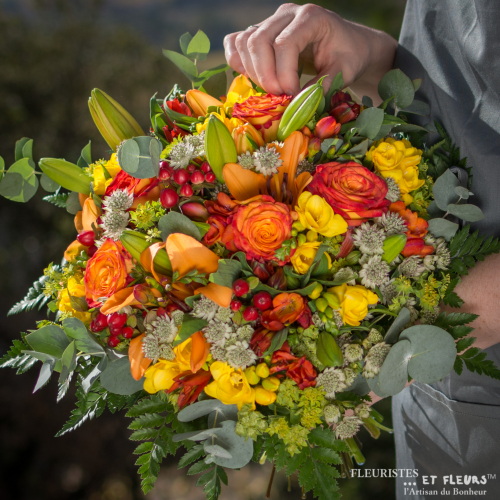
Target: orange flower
{"points": [[138, 362], [241, 135], [287, 308], [417, 229], [217, 226], [261, 227], [200, 101], [263, 112], [73, 250], [85, 218], [106, 271]]}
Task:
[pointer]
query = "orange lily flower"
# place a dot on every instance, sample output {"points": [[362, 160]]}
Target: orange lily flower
{"points": [[244, 184], [200, 101], [122, 298], [87, 216], [138, 362]]}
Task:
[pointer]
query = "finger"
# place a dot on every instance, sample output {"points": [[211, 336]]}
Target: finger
{"points": [[242, 47], [232, 55], [261, 50]]}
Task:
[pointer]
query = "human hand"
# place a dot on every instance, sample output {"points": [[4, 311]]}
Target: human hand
{"points": [[269, 53]]}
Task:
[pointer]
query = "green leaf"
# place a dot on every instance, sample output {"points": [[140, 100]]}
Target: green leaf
{"points": [[296, 461], [418, 108], [85, 157], [85, 341], [17, 358], [369, 122], [277, 341], [68, 362], [307, 476], [199, 46], [216, 84], [48, 184], [20, 182], [467, 212], [336, 85], [241, 451], [148, 421], [152, 404], [190, 325], [183, 63], [444, 189], [458, 240], [58, 199], [20, 148], [394, 372], [139, 157], [443, 227], [67, 174], [416, 83], [193, 454], [184, 42], [397, 326], [49, 339], [45, 373], [198, 467], [34, 298], [73, 205], [174, 222], [326, 455], [200, 409], [116, 378], [396, 83], [227, 273]]}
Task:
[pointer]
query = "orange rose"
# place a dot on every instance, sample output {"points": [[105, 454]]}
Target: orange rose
{"points": [[217, 226], [106, 271], [143, 189], [261, 227], [263, 112], [287, 308]]}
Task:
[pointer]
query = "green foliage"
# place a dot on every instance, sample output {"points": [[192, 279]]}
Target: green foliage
{"points": [[34, 298], [211, 482], [140, 156], [467, 249], [57, 199], [191, 456], [450, 297], [174, 222], [16, 359], [475, 361], [151, 418]]}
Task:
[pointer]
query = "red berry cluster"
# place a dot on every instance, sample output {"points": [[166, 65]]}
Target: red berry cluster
{"points": [[262, 301], [116, 324], [87, 239], [182, 181]]}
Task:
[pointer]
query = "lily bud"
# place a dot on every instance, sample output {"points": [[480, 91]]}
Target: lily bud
{"points": [[246, 138], [271, 384], [195, 211], [327, 127], [278, 280], [393, 246], [353, 257], [252, 377], [219, 146], [263, 397], [200, 101], [262, 370], [114, 122], [314, 147]]}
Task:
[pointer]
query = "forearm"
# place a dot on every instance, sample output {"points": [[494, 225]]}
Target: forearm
{"points": [[480, 290]]}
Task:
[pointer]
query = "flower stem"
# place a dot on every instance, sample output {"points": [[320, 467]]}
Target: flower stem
{"points": [[269, 486]]}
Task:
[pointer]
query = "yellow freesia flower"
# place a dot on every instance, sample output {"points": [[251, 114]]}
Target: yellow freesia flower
{"points": [[354, 302], [75, 288], [316, 214], [230, 386], [230, 123], [100, 181], [240, 90], [304, 255], [160, 377]]}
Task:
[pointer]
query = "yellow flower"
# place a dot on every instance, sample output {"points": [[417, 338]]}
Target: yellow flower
{"points": [[74, 289], [112, 166], [101, 182], [304, 255], [230, 386], [399, 160], [230, 123], [354, 302], [240, 90], [316, 214], [160, 377], [264, 397]]}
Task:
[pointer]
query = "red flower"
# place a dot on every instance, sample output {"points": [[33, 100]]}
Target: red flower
{"points": [[305, 320], [260, 342], [287, 308], [217, 226], [146, 189], [191, 384], [351, 190], [224, 206], [176, 131], [343, 108], [300, 370], [417, 229], [179, 107]]}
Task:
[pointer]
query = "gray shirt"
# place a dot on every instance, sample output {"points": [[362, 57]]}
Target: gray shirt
{"points": [[452, 427]]}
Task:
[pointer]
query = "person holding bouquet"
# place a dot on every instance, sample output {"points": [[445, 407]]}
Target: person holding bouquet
{"points": [[450, 427]]}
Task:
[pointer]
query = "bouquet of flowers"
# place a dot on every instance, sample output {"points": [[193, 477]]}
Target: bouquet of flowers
{"points": [[246, 273]]}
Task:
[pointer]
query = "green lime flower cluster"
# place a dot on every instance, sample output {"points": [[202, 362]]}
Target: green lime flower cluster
{"points": [[251, 424], [288, 394], [147, 215], [294, 437], [312, 402]]}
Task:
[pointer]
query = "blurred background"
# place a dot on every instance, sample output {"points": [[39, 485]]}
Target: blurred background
{"points": [[53, 53]]}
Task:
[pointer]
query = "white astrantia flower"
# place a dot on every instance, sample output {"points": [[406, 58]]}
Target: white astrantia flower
{"points": [[204, 308], [267, 161], [348, 428], [393, 191], [187, 149], [374, 272], [119, 200], [369, 239], [332, 380], [217, 332], [114, 222], [246, 160], [240, 355], [392, 223], [375, 359]]}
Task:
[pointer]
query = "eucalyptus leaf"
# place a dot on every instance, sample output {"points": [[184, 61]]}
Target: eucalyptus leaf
{"points": [[444, 189], [216, 450], [464, 193], [48, 184], [85, 341], [68, 360], [418, 108], [19, 150], [409, 127], [49, 339], [194, 435], [361, 148], [397, 326], [73, 205], [369, 122], [45, 373], [394, 372], [174, 222], [384, 131], [184, 42], [434, 211], [199, 409], [216, 85], [433, 353], [135, 157], [199, 46], [360, 386], [190, 325], [183, 63], [227, 412], [116, 378], [20, 182], [416, 83], [374, 385], [467, 212], [443, 227], [396, 83], [227, 273], [367, 101]]}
